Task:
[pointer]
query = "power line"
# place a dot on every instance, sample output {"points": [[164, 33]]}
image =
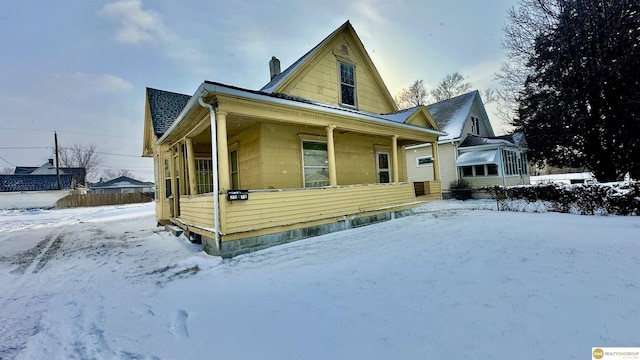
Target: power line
{"points": [[70, 132], [7, 161], [106, 153], [25, 147]]}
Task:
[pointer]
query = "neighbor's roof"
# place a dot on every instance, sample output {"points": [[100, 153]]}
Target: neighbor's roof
{"points": [[515, 140], [165, 106], [451, 114], [121, 181]]}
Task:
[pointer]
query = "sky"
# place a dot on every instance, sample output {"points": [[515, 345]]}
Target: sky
{"points": [[80, 68]]}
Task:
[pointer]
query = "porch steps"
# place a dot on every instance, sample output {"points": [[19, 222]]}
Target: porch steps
{"points": [[176, 231]]}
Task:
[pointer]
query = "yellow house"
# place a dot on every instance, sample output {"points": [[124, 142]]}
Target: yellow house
{"points": [[320, 148]]}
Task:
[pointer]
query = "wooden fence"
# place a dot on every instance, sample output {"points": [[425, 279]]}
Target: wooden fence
{"points": [[70, 201]]}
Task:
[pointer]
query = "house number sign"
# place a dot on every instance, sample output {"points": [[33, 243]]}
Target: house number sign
{"points": [[233, 195]]}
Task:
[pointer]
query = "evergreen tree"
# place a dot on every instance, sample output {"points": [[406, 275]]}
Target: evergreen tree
{"points": [[581, 103]]}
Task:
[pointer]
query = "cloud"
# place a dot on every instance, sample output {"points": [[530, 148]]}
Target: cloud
{"points": [[135, 25], [94, 83]]}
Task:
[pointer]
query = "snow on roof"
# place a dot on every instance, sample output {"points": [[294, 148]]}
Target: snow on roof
{"points": [[477, 158], [46, 169], [400, 116], [513, 140], [451, 114]]}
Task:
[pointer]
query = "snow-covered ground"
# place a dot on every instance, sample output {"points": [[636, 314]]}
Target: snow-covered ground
{"points": [[447, 283], [31, 199]]}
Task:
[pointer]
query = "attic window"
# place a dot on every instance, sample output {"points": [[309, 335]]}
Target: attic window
{"points": [[345, 49], [475, 125], [347, 85]]}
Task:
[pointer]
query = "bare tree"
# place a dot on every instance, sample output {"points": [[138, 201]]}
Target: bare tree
{"points": [[414, 95], [110, 174], [452, 85], [527, 21], [80, 155]]}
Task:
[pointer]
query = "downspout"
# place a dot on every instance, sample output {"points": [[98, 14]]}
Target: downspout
{"points": [[214, 165]]}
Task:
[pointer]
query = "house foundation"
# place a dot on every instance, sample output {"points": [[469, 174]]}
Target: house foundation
{"points": [[229, 249]]}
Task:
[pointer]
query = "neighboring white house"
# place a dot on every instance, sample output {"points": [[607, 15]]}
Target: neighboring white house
{"points": [[470, 150], [570, 178]]}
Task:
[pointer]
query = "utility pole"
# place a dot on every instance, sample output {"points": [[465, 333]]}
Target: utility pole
{"points": [[55, 138]]}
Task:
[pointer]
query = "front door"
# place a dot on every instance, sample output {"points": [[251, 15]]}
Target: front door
{"points": [[382, 166]]}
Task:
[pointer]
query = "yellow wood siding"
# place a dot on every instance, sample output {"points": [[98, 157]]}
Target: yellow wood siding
{"points": [[269, 209], [197, 210], [281, 156], [320, 82], [249, 161]]}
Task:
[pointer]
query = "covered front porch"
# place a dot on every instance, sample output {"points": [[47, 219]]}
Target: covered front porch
{"points": [[242, 177]]}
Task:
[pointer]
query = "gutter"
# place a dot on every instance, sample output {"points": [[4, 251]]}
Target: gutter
{"points": [[207, 87], [214, 166]]}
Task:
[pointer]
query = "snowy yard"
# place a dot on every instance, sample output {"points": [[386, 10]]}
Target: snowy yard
{"points": [[447, 283]]}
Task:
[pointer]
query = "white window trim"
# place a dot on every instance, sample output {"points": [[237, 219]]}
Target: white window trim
{"points": [[355, 82], [316, 139], [430, 163], [473, 171]]}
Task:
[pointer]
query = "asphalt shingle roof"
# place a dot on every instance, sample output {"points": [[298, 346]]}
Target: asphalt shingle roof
{"points": [[165, 106], [451, 114], [123, 181]]}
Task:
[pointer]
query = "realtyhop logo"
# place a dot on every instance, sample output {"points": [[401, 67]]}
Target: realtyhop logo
{"points": [[610, 353]]}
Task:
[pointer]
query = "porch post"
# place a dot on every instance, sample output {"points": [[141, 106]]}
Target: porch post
{"points": [[174, 183], [182, 185], [223, 151], [394, 158], [436, 161], [191, 166], [331, 153]]}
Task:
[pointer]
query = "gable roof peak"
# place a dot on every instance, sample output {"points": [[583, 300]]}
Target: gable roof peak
{"points": [[165, 106], [282, 76]]}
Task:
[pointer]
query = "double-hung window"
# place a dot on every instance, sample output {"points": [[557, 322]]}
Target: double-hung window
{"points": [[315, 162], [347, 84]]}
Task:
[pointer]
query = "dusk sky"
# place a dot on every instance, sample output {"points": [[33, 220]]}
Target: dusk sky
{"points": [[81, 67]]}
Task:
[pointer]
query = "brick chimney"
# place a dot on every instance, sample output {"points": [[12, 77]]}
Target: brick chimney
{"points": [[274, 67]]}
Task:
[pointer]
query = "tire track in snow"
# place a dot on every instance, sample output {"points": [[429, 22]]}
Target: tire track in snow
{"points": [[16, 329]]}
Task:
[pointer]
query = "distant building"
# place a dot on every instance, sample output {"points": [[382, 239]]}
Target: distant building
{"points": [[570, 178], [122, 184], [42, 178]]}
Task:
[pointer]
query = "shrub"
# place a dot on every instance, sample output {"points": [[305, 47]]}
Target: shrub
{"points": [[589, 199]]}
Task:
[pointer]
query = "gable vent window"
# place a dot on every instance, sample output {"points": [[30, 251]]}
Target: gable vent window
{"points": [[347, 85], [345, 49], [475, 125]]}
